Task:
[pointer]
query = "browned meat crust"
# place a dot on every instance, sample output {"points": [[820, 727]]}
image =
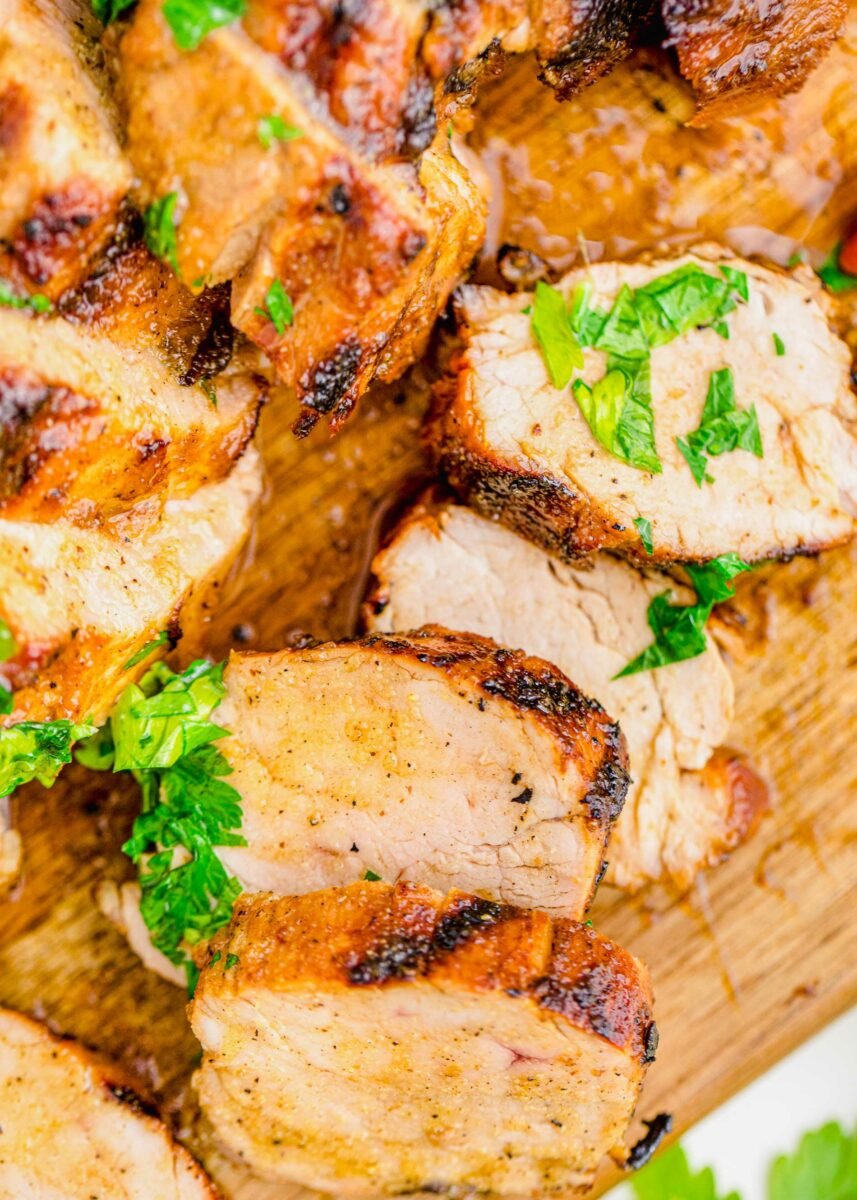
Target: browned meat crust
{"points": [[735, 54], [579, 41], [382, 1039]]}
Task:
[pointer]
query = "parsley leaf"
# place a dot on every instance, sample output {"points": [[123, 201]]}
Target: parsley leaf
{"points": [[232, 960], [144, 651], [724, 427], [161, 731], [8, 643], [159, 229], [779, 345], [669, 1177], [824, 1167], [831, 274], [618, 410], [193, 20], [109, 10], [679, 629], [272, 128], [37, 750], [278, 307], [371, 877], [552, 330], [644, 527], [37, 303]]}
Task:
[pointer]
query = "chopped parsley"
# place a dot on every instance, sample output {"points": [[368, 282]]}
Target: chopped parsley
{"points": [[552, 330], [724, 427], [644, 527], [144, 651], [618, 407], [278, 308], [679, 629], [109, 10], [779, 345], [37, 750], [193, 20], [161, 731], [371, 877], [8, 649], [272, 128], [37, 303], [831, 274], [159, 229], [232, 960]]}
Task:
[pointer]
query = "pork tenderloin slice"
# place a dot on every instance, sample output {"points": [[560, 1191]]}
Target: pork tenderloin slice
{"points": [[385, 1040], [517, 447], [684, 809], [81, 602], [91, 429], [73, 1127], [427, 756], [62, 173]]}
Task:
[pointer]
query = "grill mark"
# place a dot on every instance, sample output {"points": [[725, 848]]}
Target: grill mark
{"points": [[62, 227], [463, 918], [398, 957]]}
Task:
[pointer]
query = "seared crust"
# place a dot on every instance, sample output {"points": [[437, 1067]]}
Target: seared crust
{"points": [[578, 43], [71, 1119], [380, 935], [736, 55]]}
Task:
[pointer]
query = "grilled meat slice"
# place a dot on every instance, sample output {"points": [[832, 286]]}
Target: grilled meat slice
{"points": [[62, 174], [386, 1040], [81, 602], [518, 448], [73, 1126], [92, 429], [736, 54], [688, 803], [576, 43], [364, 250], [431, 756]]}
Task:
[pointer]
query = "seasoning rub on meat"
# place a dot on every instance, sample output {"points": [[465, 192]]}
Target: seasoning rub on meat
{"points": [[706, 395], [386, 1040], [690, 800]]}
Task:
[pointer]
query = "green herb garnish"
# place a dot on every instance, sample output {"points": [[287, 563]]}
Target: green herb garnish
{"points": [[272, 128], [144, 651], [109, 10], [618, 407], [161, 731], [193, 20], [679, 629], [643, 526], [37, 303], [724, 427], [779, 345], [371, 877], [552, 330], [232, 960], [37, 750], [278, 307], [159, 229], [8, 643], [669, 1177], [831, 274]]}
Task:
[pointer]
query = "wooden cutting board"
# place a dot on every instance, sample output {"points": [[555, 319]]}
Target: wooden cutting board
{"points": [[764, 951]]}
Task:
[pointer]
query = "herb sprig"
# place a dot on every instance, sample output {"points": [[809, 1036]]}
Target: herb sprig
{"points": [[159, 229], [37, 750], [679, 629], [161, 731], [278, 308], [109, 10], [193, 20], [272, 128]]}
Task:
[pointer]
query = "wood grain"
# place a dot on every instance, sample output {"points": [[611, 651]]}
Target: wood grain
{"points": [[764, 951]]}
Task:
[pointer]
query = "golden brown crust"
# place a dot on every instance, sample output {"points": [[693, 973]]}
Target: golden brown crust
{"points": [[748, 794], [384, 935], [737, 54]]}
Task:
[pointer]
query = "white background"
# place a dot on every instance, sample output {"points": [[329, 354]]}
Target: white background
{"points": [[817, 1083]]}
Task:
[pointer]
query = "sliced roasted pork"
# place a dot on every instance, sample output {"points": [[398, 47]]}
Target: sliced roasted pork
{"points": [[73, 1127], [91, 428], [62, 174], [737, 54], [362, 249], [519, 448], [688, 802], [429, 756], [81, 602], [387, 1040]]}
